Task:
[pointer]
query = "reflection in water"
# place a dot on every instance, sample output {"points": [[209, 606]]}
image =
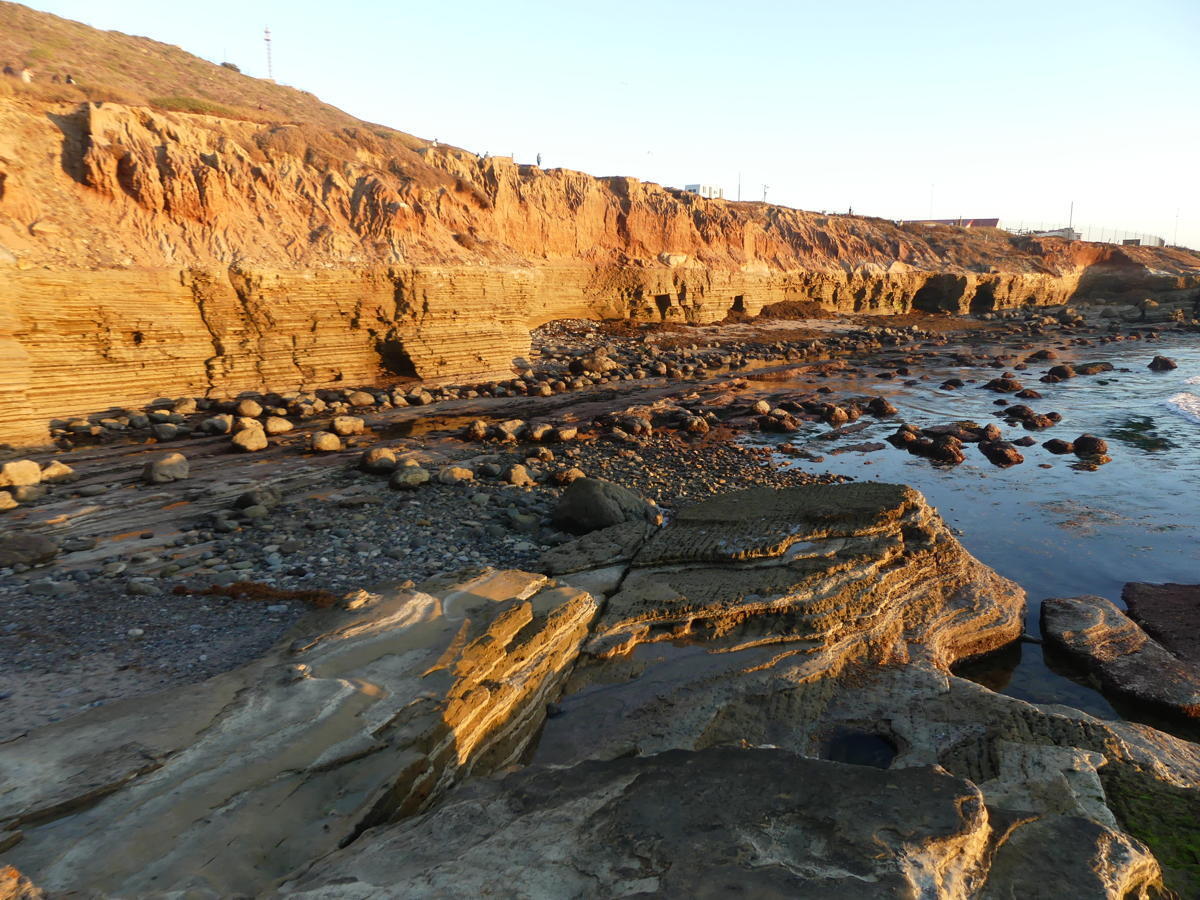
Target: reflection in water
{"points": [[995, 670], [1139, 432], [1057, 531], [859, 748]]}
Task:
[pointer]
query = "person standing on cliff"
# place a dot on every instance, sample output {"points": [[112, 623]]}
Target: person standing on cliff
{"points": [[539, 162]]}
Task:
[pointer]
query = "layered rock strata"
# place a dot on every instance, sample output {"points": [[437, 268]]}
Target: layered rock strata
{"points": [[816, 624], [1120, 655], [222, 787], [849, 573], [745, 622], [145, 253]]}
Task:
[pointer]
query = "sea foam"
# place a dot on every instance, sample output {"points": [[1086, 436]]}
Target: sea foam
{"points": [[1186, 405], [1195, 379]]}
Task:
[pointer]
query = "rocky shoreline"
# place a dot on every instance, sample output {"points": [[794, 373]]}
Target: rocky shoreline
{"points": [[119, 536], [142, 573]]}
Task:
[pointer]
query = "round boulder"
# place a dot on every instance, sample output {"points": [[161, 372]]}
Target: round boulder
{"points": [[249, 440], [1001, 453], [455, 475], [1090, 445], [1163, 364], [345, 426], [26, 549], [56, 472], [408, 478], [589, 504], [378, 460], [326, 442], [519, 475], [167, 468]]}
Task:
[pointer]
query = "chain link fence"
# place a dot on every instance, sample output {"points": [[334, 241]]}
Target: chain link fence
{"points": [[1102, 234]]}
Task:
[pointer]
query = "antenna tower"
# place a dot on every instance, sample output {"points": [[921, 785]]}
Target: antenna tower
{"points": [[267, 41]]}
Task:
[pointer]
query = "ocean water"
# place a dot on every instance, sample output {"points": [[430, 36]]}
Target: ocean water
{"points": [[1058, 531]]}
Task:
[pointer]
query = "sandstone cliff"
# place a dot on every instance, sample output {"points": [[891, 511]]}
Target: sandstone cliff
{"points": [[145, 251]]}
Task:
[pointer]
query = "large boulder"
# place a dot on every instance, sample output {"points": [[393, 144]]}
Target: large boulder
{"points": [[250, 440], [345, 426], [378, 460], [58, 472], [19, 473], [22, 548], [166, 468], [589, 504], [850, 567]]}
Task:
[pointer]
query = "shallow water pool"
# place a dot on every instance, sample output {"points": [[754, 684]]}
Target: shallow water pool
{"points": [[1058, 531]]}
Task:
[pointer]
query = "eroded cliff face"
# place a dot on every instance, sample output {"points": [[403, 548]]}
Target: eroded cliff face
{"points": [[145, 253]]}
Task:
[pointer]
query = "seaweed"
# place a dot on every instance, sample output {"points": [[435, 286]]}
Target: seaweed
{"points": [[1164, 817]]}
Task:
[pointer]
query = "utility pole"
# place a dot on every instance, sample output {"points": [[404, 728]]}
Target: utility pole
{"points": [[931, 201], [267, 41], [740, 189], [1071, 217], [1175, 237], [765, 186]]}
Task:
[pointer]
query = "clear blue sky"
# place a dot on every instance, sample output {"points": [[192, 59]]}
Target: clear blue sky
{"points": [[1011, 109]]}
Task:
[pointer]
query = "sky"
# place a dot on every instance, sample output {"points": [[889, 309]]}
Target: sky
{"points": [[897, 109]]}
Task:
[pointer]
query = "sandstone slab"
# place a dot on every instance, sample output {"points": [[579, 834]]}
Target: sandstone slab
{"points": [[1126, 660], [763, 823], [865, 568], [1170, 613], [221, 788]]}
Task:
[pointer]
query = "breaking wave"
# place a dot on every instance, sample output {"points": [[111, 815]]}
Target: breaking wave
{"points": [[1186, 405]]}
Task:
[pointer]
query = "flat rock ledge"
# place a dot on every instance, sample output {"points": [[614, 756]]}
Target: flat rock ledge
{"points": [[859, 572], [1113, 648], [714, 823], [755, 697], [1170, 613], [222, 788]]}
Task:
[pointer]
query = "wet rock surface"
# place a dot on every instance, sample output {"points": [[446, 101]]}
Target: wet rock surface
{"points": [[1126, 660], [1170, 613]]}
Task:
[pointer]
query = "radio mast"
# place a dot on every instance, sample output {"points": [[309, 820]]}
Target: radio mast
{"points": [[267, 41]]}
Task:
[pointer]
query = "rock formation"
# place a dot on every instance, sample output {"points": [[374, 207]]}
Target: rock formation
{"points": [[762, 702], [145, 252], [718, 822], [1115, 650], [1170, 613], [224, 786]]}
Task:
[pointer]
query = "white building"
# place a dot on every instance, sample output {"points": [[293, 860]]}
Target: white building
{"points": [[711, 191], [1067, 234]]}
